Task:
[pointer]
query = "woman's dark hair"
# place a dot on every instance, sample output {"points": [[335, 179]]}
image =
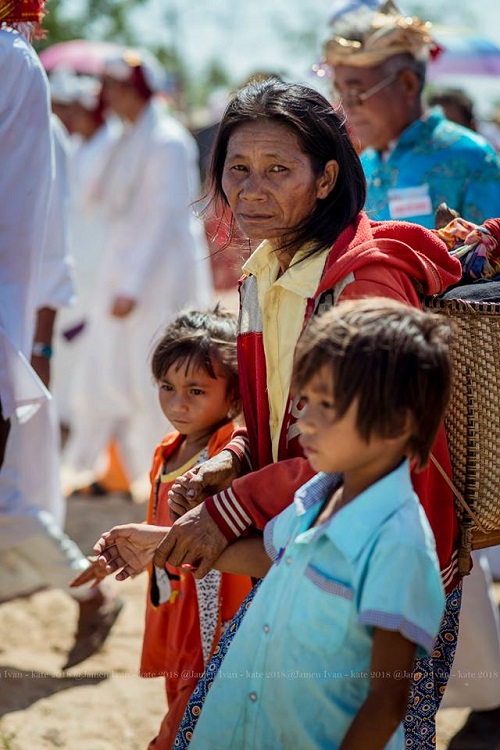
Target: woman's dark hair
{"points": [[392, 358], [322, 136], [200, 338]]}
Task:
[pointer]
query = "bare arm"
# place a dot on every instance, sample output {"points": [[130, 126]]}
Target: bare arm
{"points": [[44, 329], [202, 533], [245, 557], [194, 540], [391, 666], [129, 548]]}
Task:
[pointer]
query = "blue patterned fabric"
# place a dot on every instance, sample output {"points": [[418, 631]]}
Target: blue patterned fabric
{"points": [[430, 678], [197, 699], [458, 167]]}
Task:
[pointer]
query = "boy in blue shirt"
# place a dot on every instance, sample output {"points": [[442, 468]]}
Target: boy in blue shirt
{"points": [[323, 657]]}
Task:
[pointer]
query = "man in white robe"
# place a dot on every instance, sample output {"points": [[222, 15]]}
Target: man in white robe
{"points": [[90, 137], [155, 263], [26, 168], [34, 281]]}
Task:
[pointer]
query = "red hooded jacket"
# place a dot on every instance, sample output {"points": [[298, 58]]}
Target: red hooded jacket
{"points": [[398, 260]]}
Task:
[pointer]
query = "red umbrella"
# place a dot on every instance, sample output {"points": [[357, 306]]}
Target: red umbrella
{"points": [[80, 55]]}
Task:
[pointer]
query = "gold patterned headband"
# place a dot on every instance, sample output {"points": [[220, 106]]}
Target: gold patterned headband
{"points": [[383, 34]]}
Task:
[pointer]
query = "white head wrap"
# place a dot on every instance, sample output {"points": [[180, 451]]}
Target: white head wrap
{"points": [[121, 68], [67, 87]]}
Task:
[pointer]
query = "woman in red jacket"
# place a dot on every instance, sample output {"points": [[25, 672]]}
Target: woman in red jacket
{"points": [[284, 165]]}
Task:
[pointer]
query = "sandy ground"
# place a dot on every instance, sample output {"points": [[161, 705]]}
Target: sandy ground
{"points": [[101, 704]]}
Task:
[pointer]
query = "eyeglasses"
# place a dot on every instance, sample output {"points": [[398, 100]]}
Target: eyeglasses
{"points": [[353, 97]]}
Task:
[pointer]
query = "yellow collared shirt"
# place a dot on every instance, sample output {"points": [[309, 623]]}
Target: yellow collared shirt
{"points": [[282, 303]]}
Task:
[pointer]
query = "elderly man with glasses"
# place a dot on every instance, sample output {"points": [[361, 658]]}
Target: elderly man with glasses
{"points": [[413, 159]]}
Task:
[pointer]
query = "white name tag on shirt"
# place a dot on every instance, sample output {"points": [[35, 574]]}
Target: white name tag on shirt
{"points": [[407, 202]]}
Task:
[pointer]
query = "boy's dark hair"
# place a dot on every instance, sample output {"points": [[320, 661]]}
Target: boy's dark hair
{"points": [[393, 358], [200, 338]]}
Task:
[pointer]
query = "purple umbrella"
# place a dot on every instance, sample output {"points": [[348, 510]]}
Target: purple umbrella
{"points": [[464, 53]]}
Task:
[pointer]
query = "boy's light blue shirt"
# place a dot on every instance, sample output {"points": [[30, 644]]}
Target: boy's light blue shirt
{"points": [[297, 671]]}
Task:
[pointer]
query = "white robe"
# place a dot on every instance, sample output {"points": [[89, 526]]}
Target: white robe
{"points": [[156, 254], [29, 479], [34, 273], [87, 225], [26, 175]]}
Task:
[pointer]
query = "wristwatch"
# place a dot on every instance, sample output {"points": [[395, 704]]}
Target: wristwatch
{"points": [[41, 350]]}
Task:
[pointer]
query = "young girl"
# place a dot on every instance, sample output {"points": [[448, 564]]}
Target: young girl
{"points": [[324, 655], [195, 367]]}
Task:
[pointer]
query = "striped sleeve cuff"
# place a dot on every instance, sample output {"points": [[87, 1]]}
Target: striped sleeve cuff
{"points": [[408, 629], [271, 550], [225, 509], [240, 446]]}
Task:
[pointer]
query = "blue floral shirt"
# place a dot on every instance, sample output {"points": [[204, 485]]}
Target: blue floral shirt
{"points": [[297, 671], [434, 161]]}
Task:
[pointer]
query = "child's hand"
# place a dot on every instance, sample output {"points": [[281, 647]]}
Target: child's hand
{"points": [[94, 574], [128, 549], [204, 480]]}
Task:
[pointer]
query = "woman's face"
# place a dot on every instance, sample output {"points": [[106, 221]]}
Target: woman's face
{"points": [[269, 182]]}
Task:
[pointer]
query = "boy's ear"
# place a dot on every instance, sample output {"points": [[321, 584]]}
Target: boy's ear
{"points": [[403, 435], [408, 425], [406, 435], [403, 429]]}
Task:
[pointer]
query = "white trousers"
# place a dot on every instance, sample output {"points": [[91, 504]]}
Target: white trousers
{"points": [[34, 551], [47, 558]]}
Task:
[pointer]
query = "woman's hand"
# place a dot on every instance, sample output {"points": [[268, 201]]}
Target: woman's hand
{"points": [[204, 480], [128, 549], [194, 541]]}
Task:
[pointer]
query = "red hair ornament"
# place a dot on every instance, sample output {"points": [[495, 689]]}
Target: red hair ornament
{"points": [[16, 13]]}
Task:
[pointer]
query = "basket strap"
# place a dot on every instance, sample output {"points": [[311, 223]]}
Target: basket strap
{"points": [[457, 494]]}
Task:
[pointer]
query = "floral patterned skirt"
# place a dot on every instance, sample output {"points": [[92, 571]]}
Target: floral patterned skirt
{"points": [[430, 677], [197, 699]]}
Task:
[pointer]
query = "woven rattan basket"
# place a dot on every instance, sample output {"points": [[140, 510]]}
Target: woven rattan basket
{"points": [[473, 420]]}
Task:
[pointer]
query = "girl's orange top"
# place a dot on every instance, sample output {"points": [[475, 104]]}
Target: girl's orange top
{"points": [[172, 644]]}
